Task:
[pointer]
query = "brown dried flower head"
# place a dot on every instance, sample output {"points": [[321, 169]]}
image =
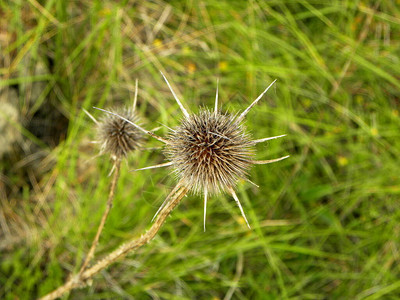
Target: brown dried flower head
{"points": [[210, 151], [117, 136]]}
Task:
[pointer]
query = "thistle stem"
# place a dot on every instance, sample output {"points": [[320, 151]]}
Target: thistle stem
{"points": [[105, 215], [81, 278]]}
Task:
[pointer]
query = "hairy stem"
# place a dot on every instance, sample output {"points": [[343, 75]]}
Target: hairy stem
{"points": [[81, 278], [105, 215]]}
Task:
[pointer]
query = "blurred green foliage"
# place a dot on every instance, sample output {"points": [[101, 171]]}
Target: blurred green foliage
{"points": [[325, 222]]}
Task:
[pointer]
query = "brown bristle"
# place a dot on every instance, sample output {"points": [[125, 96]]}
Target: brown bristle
{"points": [[210, 151], [117, 136]]}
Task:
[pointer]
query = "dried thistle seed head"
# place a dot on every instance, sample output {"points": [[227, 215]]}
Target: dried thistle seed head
{"points": [[117, 136], [210, 151]]}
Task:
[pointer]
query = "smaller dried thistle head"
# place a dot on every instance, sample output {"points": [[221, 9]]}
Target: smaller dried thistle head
{"points": [[210, 151], [117, 136]]}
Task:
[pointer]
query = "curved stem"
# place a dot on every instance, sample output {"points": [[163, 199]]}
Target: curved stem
{"points": [[105, 215], [80, 279]]}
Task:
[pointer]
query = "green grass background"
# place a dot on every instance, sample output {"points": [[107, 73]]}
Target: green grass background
{"points": [[325, 222]]}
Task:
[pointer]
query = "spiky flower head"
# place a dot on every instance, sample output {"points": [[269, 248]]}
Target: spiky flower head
{"points": [[118, 137], [210, 151]]}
